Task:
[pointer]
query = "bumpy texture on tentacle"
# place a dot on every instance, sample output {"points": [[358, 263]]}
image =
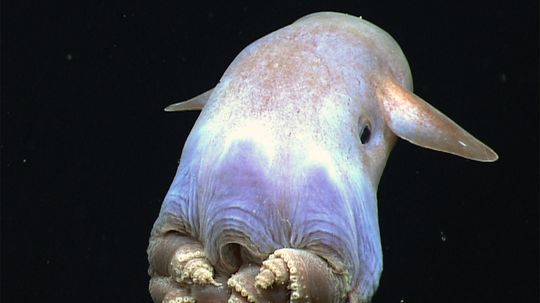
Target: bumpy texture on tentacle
{"points": [[173, 298], [243, 285], [273, 271], [237, 298], [181, 272], [182, 258], [189, 265], [164, 289], [211, 294], [310, 279]]}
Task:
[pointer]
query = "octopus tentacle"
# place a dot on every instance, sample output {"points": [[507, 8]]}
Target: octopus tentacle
{"points": [[310, 278], [273, 271], [210, 293], [181, 272], [183, 259], [242, 285], [174, 298], [164, 289], [244, 290], [189, 265], [192, 267]]}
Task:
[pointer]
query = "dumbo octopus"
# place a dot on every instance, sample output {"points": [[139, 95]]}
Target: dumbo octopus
{"points": [[274, 199]]}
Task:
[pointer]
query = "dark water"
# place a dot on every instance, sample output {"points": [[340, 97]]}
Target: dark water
{"points": [[88, 153]]}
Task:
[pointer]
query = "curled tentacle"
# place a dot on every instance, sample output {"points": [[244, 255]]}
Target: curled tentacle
{"points": [[182, 258], [190, 266], [181, 272], [273, 271], [309, 278], [244, 290]]}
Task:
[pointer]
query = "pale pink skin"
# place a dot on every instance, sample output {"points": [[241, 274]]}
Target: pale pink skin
{"points": [[275, 159]]}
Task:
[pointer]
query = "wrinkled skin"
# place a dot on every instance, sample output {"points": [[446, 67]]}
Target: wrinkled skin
{"points": [[275, 199]]}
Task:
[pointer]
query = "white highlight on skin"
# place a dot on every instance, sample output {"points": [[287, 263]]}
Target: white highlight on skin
{"points": [[254, 131], [320, 156]]}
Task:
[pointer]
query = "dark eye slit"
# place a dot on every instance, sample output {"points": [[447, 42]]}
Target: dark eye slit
{"points": [[365, 135]]}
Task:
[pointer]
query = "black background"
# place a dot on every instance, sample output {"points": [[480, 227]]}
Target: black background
{"points": [[88, 153]]}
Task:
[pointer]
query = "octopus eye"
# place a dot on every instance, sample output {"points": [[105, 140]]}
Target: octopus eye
{"points": [[366, 134]]}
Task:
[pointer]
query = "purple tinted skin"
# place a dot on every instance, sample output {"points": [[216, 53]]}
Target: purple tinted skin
{"points": [[241, 204], [275, 159], [277, 166], [238, 202]]}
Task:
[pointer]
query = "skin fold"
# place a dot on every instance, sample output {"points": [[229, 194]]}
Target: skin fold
{"points": [[275, 196]]}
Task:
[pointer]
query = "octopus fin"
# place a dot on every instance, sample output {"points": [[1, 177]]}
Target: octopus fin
{"points": [[414, 120], [196, 103]]}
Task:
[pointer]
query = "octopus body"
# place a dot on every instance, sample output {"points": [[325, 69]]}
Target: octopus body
{"points": [[275, 199]]}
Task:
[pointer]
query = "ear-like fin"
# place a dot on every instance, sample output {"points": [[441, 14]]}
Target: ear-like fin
{"points": [[414, 120], [196, 103]]}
